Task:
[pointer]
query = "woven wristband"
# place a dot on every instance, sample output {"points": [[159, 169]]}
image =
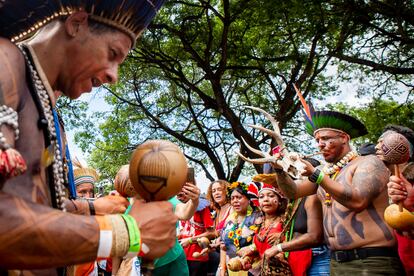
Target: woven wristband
{"points": [[134, 234], [105, 237], [320, 178]]}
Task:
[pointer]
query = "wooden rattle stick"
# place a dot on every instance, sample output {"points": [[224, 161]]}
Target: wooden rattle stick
{"points": [[397, 173], [396, 150]]}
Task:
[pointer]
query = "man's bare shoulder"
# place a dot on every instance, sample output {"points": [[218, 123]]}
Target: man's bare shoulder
{"points": [[370, 161], [12, 53], [12, 73]]}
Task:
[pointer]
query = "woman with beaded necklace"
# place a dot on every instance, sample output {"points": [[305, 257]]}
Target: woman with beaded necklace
{"points": [[273, 205], [238, 231]]}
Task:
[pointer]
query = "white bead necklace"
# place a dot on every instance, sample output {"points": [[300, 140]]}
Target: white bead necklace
{"points": [[332, 168], [45, 95]]}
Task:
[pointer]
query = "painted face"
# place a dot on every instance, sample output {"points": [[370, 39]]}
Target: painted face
{"points": [[380, 142], [268, 201], [85, 190], [218, 193], [92, 61], [239, 202], [330, 143]]}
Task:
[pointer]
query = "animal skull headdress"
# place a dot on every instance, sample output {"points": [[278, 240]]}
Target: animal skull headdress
{"points": [[289, 161]]}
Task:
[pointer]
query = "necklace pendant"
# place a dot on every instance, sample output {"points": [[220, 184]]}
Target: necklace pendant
{"points": [[48, 156]]}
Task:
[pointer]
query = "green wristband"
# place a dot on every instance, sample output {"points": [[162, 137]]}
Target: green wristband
{"points": [[134, 234], [320, 178]]}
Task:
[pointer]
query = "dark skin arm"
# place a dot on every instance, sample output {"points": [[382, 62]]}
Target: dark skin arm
{"points": [[37, 236], [358, 184], [355, 188], [312, 237], [32, 234]]}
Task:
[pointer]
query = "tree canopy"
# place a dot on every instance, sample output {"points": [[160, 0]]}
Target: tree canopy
{"points": [[202, 62]]}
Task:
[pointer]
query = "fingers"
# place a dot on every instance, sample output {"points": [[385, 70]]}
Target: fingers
{"points": [[156, 222], [191, 191]]}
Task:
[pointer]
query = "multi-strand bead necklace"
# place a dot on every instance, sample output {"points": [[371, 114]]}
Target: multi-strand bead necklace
{"points": [[333, 170]]}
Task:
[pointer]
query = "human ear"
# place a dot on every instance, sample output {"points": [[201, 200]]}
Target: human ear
{"points": [[75, 21]]}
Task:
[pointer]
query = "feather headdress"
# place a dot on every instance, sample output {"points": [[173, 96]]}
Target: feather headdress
{"points": [[19, 19], [83, 174], [327, 119]]}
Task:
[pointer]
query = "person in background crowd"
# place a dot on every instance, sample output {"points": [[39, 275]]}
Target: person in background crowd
{"points": [[401, 185], [220, 204], [307, 253], [199, 226], [273, 205], [174, 261], [238, 232]]}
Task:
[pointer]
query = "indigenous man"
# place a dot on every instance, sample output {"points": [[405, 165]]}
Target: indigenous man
{"points": [[353, 193], [78, 45]]}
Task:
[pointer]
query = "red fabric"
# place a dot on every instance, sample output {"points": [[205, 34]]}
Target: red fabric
{"points": [[406, 252], [262, 246], [189, 229], [300, 261], [221, 224], [85, 269]]}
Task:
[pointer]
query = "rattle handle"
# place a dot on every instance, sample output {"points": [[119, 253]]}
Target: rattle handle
{"points": [[397, 173]]}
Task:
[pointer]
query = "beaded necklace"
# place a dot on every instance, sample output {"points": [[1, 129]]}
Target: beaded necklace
{"points": [[45, 94], [333, 170], [267, 229]]}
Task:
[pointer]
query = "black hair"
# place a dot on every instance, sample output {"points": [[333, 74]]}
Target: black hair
{"points": [[366, 149], [313, 161]]}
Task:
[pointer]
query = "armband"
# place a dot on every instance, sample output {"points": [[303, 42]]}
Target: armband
{"points": [[105, 237], [279, 247], [134, 235], [91, 208], [9, 156], [113, 236]]}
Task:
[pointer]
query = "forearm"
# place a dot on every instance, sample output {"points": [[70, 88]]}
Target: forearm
{"points": [[208, 234], [223, 263], [187, 210], [286, 184], [304, 241], [79, 207], [36, 236]]}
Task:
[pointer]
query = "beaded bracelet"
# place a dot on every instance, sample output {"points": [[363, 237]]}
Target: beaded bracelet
{"points": [[91, 208], [134, 234], [279, 247]]}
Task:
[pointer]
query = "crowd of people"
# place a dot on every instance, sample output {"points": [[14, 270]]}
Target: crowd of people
{"points": [[327, 221]]}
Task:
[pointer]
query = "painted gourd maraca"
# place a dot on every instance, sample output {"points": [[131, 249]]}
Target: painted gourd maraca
{"points": [[123, 184], [158, 170]]}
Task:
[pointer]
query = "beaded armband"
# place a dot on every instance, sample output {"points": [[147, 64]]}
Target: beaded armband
{"points": [[11, 161], [9, 117], [113, 236]]}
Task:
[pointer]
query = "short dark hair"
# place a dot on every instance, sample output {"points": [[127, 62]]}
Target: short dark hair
{"points": [[99, 28]]}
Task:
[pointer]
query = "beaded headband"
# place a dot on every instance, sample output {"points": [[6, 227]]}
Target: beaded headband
{"points": [[19, 19], [83, 174]]}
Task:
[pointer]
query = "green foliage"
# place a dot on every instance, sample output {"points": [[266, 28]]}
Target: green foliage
{"points": [[201, 62], [379, 113]]}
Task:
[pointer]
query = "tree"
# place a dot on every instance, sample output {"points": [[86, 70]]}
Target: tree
{"points": [[202, 62]]}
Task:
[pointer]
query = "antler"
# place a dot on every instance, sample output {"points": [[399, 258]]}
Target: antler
{"points": [[290, 161]]}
